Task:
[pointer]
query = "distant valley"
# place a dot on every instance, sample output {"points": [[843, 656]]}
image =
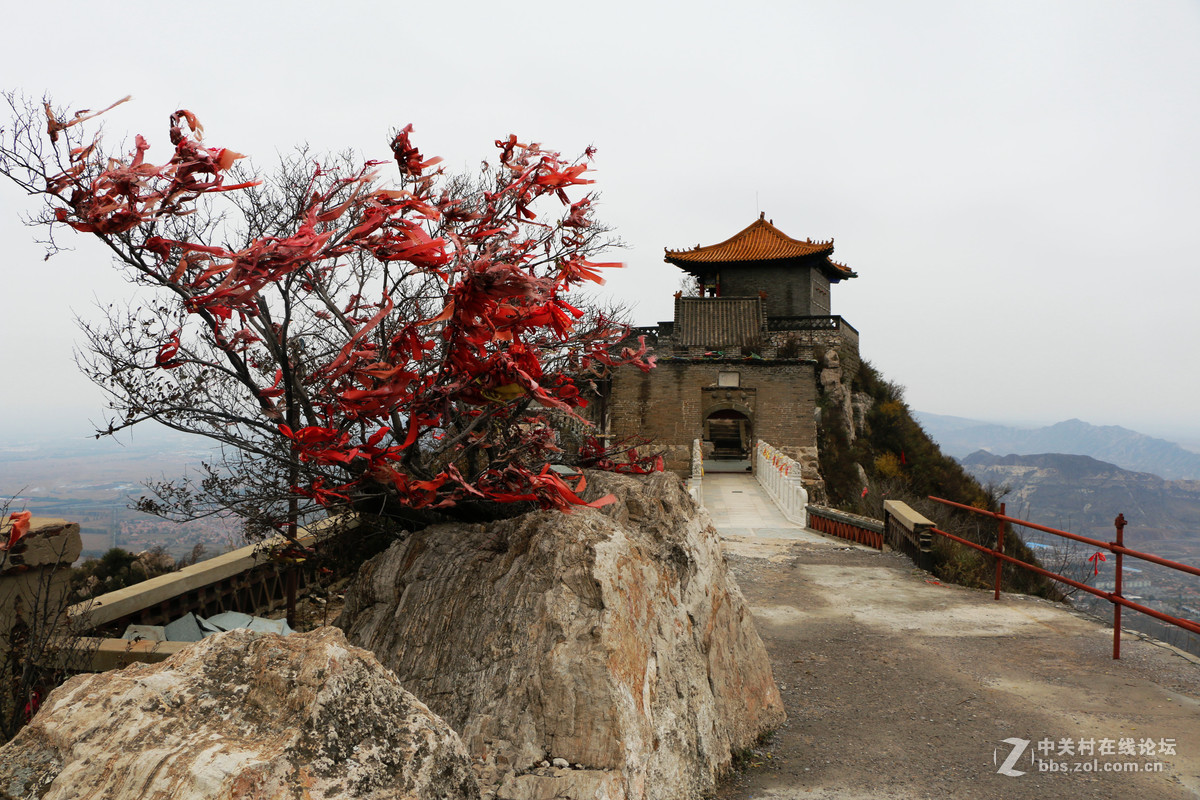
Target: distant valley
{"points": [[93, 482], [1130, 450], [1077, 477], [1084, 495]]}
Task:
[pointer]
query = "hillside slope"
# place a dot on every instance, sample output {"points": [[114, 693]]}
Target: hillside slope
{"points": [[879, 452]]}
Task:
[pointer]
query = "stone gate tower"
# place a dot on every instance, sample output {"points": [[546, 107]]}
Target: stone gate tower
{"points": [[741, 361]]}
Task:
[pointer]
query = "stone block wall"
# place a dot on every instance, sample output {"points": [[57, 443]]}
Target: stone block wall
{"points": [[812, 344], [34, 578], [669, 404], [788, 292], [33, 574]]}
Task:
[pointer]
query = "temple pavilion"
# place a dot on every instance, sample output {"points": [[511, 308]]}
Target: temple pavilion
{"points": [[791, 276], [740, 361]]}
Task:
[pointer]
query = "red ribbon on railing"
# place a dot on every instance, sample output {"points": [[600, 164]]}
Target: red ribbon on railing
{"points": [[1096, 558]]}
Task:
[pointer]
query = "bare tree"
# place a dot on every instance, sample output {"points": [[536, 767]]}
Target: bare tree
{"points": [[346, 340]]}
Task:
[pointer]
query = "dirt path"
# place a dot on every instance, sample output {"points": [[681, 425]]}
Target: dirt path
{"points": [[897, 686]]}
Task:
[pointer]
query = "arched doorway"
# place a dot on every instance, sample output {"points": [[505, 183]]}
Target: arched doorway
{"points": [[730, 433]]}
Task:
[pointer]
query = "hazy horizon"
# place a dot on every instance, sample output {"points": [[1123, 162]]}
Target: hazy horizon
{"points": [[1016, 183], [152, 435]]}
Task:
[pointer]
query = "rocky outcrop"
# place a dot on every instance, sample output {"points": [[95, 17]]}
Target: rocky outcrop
{"points": [[810, 467], [841, 413], [239, 715], [155, 562], [861, 404], [835, 390], [601, 654], [49, 542], [34, 590]]}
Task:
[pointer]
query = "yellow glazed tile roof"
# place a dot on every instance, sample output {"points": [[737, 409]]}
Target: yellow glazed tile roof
{"points": [[761, 241]]}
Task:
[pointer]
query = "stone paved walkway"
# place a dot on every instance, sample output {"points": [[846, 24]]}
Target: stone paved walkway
{"points": [[745, 514], [898, 686]]}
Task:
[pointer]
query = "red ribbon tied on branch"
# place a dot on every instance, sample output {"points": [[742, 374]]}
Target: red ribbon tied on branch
{"points": [[18, 522], [1096, 558]]}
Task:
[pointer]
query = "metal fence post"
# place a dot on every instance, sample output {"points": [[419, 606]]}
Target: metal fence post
{"points": [[1119, 522], [999, 549]]}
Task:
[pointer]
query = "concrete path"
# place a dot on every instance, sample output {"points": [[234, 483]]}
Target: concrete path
{"points": [[749, 521], [897, 686]]}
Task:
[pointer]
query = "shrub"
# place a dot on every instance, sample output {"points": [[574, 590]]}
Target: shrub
{"points": [[903, 463]]}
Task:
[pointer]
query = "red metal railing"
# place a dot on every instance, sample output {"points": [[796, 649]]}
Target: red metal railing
{"points": [[1118, 548]]}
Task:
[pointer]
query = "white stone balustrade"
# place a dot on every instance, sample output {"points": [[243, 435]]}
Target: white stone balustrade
{"points": [[695, 484], [780, 476]]}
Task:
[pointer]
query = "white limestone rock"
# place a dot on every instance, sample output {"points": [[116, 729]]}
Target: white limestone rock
{"points": [[613, 639], [833, 382], [239, 715], [861, 404], [861, 474]]}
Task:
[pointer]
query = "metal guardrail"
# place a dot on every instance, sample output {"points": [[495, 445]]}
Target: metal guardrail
{"points": [[780, 476], [851, 527], [809, 323], [1117, 547], [797, 323], [649, 331]]}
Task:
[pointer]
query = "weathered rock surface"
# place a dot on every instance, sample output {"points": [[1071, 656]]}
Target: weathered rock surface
{"points": [[833, 382], [239, 715], [613, 639], [49, 542], [861, 404]]}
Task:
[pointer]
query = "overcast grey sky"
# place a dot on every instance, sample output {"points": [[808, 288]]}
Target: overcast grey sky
{"points": [[1016, 183]]}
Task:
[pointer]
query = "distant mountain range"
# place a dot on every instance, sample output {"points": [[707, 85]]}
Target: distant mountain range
{"points": [[1083, 495], [1127, 449]]}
